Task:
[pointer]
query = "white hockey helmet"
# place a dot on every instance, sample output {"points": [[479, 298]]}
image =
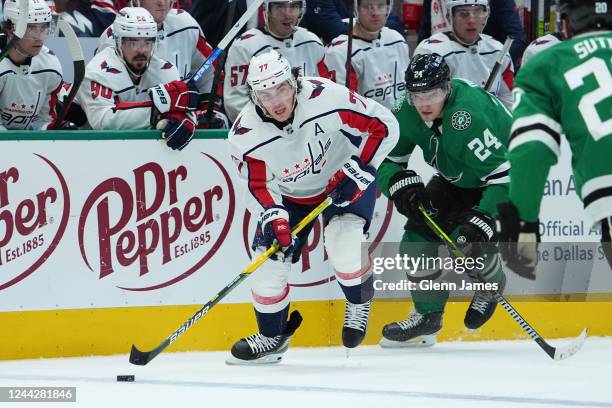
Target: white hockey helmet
{"points": [[268, 70], [451, 4], [38, 12], [133, 22], [268, 5]]}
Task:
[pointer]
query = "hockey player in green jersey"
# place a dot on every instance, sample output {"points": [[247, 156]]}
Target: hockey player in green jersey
{"points": [[564, 89], [463, 132]]}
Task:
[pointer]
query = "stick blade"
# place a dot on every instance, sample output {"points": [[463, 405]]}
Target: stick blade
{"points": [[561, 353], [138, 357]]}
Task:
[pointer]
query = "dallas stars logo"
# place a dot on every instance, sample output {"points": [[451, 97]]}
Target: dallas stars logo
{"points": [[461, 120]]}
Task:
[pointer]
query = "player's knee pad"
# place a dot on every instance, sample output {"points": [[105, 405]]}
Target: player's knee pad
{"points": [[270, 286], [343, 242]]}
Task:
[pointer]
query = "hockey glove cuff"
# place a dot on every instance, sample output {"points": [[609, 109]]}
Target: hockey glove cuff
{"points": [[350, 182], [175, 96], [407, 192]]}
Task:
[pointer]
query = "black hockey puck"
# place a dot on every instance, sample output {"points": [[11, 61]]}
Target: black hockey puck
{"points": [[128, 378]]}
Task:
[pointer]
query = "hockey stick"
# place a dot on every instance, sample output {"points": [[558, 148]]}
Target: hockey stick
{"points": [[349, 47], [79, 66], [556, 353], [138, 357], [20, 27], [217, 77], [498, 62], [226, 40]]}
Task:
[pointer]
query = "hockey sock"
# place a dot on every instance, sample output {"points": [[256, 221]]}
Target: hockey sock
{"points": [[361, 293], [272, 324]]}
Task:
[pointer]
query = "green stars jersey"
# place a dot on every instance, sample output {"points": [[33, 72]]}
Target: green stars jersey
{"points": [[467, 146], [564, 89]]}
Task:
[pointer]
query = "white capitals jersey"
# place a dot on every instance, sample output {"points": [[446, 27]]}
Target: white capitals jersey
{"points": [[378, 65], [539, 45], [109, 97], [303, 49], [28, 92], [181, 42], [474, 62], [330, 124]]}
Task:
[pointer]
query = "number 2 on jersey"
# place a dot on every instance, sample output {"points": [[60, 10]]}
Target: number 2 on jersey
{"points": [[575, 79], [481, 150]]}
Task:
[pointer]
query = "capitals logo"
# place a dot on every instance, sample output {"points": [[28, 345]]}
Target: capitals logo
{"points": [[318, 88], [104, 65], [238, 129]]}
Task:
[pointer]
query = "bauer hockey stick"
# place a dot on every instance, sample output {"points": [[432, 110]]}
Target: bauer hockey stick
{"points": [[498, 62], [556, 353], [20, 27], [226, 40], [138, 357], [78, 63]]}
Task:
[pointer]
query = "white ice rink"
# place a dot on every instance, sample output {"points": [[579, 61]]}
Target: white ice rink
{"points": [[478, 374]]}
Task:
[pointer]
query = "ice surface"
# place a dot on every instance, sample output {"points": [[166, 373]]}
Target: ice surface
{"points": [[454, 374]]}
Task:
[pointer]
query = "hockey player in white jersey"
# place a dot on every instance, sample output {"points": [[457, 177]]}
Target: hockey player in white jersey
{"points": [[379, 55], [469, 53], [127, 87], [297, 141], [302, 48], [30, 75], [179, 40], [540, 44]]}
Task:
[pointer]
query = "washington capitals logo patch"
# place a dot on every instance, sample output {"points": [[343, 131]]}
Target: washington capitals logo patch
{"points": [[317, 89], [238, 129], [104, 65]]}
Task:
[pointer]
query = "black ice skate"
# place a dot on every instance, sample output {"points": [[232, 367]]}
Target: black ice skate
{"points": [[416, 331], [260, 349], [356, 316], [482, 306]]}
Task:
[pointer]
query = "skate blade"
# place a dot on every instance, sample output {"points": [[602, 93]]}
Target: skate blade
{"points": [[265, 360], [418, 342]]}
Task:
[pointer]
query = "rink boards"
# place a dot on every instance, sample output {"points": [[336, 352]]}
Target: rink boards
{"points": [[110, 238]]}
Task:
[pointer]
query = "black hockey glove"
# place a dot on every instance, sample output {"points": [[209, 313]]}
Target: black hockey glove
{"points": [[216, 121], [476, 234], [408, 192], [606, 239], [518, 241], [65, 125], [177, 128]]}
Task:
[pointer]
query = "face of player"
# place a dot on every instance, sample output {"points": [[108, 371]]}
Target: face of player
{"points": [[468, 22], [34, 38], [137, 53], [429, 104], [373, 14], [158, 8], [278, 101], [283, 17]]}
